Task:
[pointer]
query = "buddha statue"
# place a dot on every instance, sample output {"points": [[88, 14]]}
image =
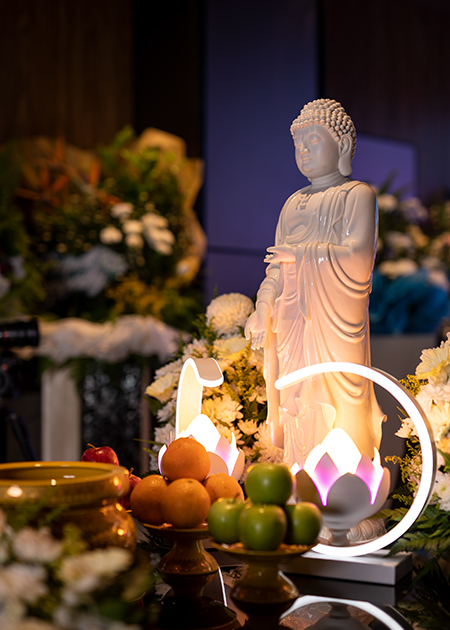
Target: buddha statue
{"points": [[312, 306]]}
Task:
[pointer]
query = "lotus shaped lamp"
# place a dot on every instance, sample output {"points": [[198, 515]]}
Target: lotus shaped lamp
{"points": [[348, 492], [196, 374], [347, 486]]}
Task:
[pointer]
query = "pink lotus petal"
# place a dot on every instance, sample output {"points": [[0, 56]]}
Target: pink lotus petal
{"points": [[325, 474]]}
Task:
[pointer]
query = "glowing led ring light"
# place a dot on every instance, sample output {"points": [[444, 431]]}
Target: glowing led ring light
{"points": [[424, 432]]}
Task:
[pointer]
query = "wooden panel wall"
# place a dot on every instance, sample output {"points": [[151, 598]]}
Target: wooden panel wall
{"points": [[66, 68], [389, 63]]}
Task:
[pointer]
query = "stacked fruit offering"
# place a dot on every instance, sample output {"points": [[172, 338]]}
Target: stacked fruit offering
{"points": [[265, 520], [182, 496]]}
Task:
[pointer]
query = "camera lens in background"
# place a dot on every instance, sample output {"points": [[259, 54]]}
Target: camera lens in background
{"points": [[19, 334]]}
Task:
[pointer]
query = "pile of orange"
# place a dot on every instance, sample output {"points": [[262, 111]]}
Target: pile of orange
{"points": [[183, 496]]}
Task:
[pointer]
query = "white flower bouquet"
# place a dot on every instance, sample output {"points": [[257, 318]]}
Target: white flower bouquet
{"points": [[239, 405], [59, 584], [411, 276], [431, 387]]}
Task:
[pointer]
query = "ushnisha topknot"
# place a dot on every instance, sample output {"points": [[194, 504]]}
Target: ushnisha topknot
{"points": [[330, 114]]}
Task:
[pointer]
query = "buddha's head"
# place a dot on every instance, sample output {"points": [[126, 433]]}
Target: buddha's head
{"points": [[326, 114]]}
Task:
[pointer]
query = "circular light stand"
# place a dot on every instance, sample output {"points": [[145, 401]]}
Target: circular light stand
{"points": [[426, 439]]}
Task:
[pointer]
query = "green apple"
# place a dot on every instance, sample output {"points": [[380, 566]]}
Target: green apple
{"points": [[304, 522], [262, 527], [223, 518], [269, 483]]}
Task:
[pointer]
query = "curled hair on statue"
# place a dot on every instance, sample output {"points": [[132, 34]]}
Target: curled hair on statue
{"points": [[329, 114]]}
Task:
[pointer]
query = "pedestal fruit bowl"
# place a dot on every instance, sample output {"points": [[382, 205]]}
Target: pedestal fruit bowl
{"points": [[87, 492]]}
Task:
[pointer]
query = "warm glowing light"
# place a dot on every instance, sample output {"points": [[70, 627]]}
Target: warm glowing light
{"points": [[225, 457], [196, 374], [53, 482], [14, 491], [425, 435], [338, 455], [121, 532]]}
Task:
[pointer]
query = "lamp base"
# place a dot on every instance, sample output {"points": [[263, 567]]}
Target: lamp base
{"points": [[376, 568]]}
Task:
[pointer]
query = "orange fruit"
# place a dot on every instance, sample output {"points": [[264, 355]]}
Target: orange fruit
{"points": [[185, 458], [145, 500], [185, 504], [221, 485]]}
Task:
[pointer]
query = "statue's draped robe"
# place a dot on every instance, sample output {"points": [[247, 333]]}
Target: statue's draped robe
{"points": [[320, 314]]}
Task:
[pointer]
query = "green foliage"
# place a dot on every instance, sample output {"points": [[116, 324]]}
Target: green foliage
{"points": [[32, 513], [429, 608]]}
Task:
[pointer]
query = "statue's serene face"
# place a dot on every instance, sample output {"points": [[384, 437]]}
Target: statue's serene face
{"points": [[316, 151]]}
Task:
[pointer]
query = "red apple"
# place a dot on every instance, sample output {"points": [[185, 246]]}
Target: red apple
{"points": [[101, 455], [125, 500]]}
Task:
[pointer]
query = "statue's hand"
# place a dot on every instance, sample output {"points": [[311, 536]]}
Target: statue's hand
{"points": [[280, 253], [257, 325]]}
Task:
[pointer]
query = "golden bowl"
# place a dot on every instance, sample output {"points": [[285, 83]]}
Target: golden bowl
{"points": [[87, 491]]}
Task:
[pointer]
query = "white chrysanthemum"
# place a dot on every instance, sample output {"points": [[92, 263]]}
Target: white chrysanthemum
{"points": [[248, 427], [442, 490], [228, 313], [435, 363], [197, 348], [167, 413], [222, 409], [162, 388], [36, 545], [256, 358], [173, 367], [407, 429], [121, 210], [387, 202], [397, 268], [230, 349], [85, 572], [438, 415], [435, 391], [259, 394], [22, 582], [263, 442], [110, 235], [165, 434]]}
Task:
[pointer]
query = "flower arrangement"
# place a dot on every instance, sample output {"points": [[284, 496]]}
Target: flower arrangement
{"points": [[59, 584], [114, 228], [431, 387], [20, 280], [411, 276], [239, 405]]}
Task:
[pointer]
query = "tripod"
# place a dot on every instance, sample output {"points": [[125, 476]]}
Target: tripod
{"points": [[9, 388]]}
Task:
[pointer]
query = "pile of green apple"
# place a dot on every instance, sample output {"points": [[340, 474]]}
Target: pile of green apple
{"points": [[265, 520]]}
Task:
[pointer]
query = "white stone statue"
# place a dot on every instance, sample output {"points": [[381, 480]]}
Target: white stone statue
{"points": [[312, 306]]}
